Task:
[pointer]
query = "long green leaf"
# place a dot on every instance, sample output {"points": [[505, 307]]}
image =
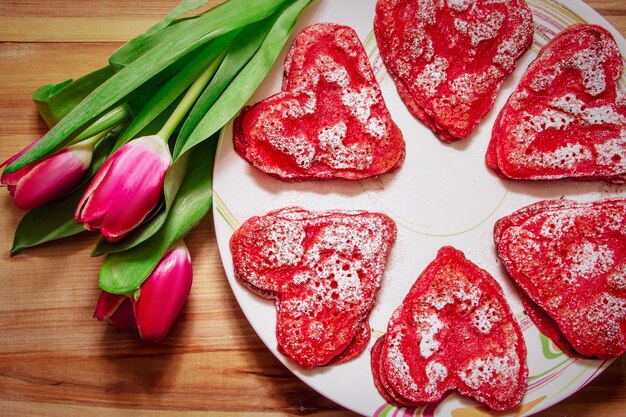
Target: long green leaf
{"points": [[246, 82], [245, 46], [128, 79], [55, 220], [113, 118], [134, 48], [54, 101], [123, 272], [174, 88]]}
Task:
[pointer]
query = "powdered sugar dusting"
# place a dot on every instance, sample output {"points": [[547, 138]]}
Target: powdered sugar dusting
{"points": [[587, 62], [563, 157], [603, 115], [590, 258], [376, 127], [397, 363], [454, 329], [284, 244], [485, 316], [460, 5], [360, 103], [436, 372], [484, 26], [612, 152], [432, 76], [576, 272], [617, 278], [340, 156], [492, 370], [564, 112], [427, 328], [298, 147]]}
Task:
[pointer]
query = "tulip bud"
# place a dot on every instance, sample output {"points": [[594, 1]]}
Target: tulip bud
{"points": [[164, 293], [117, 309], [126, 189], [155, 306], [44, 180]]}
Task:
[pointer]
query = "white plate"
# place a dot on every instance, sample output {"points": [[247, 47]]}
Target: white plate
{"points": [[442, 195]]}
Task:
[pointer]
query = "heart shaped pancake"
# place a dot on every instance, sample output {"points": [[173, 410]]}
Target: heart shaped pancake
{"points": [[454, 330], [570, 260], [548, 326], [567, 116], [330, 120], [323, 270], [449, 58]]}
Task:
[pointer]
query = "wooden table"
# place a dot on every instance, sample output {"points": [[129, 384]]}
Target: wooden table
{"points": [[55, 360]]}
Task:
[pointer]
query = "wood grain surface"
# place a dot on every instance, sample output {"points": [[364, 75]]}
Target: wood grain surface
{"points": [[55, 360]]}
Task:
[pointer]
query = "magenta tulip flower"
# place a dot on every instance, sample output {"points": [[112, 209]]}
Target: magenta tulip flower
{"points": [[159, 300], [44, 180], [164, 293], [126, 189], [117, 309]]}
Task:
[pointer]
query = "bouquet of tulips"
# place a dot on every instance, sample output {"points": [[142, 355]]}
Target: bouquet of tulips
{"points": [[130, 150]]}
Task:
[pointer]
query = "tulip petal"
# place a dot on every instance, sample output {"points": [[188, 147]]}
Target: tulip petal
{"points": [[107, 305], [127, 189], [51, 177], [86, 213], [164, 293], [20, 153], [124, 318]]}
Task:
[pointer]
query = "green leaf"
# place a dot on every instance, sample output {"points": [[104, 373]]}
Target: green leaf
{"points": [[134, 47], [54, 101], [247, 81], [113, 118], [175, 87], [234, 14], [245, 46], [55, 220], [123, 272], [102, 151]]}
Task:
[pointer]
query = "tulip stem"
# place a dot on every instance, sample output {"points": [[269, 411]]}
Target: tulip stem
{"points": [[190, 98]]}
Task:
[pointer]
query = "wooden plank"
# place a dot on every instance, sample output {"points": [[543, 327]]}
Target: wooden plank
{"points": [[92, 21]]}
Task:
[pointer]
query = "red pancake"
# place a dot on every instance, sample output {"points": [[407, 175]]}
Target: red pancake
{"points": [[381, 382], [567, 116], [570, 260], [330, 120], [448, 59], [454, 330], [548, 327], [323, 269]]}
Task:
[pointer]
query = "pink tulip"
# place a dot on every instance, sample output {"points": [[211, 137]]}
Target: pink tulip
{"points": [[20, 153], [117, 309], [44, 180], [159, 300], [126, 189]]}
